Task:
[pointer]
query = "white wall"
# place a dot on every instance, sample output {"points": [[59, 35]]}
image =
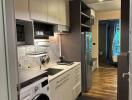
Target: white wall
{"points": [[104, 15]]}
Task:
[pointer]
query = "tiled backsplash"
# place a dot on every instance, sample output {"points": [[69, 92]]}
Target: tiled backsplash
{"points": [[53, 51]]}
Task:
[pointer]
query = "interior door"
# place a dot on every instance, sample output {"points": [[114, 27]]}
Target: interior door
{"points": [[123, 60], [3, 75], [8, 58], [8, 90], [102, 43], [130, 76]]}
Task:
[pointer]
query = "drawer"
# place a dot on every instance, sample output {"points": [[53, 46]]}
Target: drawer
{"points": [[76, 90], [78, 69], [62, 80]]}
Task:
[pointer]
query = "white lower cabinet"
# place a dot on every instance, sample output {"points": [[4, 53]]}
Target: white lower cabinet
{"points": [[60, 88], [67, 86], [76, 90], [76, 81]]}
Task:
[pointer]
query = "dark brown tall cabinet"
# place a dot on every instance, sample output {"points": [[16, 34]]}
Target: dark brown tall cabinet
{"points": [[73, 44], [123, 66]]}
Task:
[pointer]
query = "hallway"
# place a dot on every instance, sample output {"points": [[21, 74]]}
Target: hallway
{"points": [[104, 85]]}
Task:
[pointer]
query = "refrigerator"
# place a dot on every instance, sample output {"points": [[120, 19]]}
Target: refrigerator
{"points": [[86, 61]]}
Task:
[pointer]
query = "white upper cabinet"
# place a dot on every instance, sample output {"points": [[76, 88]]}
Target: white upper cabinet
{"points": [[38, 10], [64, 12], [22, 9], [58, 12], [53, 11]]}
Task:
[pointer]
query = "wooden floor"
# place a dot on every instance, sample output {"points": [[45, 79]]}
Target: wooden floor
{"points": [[104, 85]]}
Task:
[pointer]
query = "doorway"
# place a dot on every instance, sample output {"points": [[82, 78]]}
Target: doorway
{"points": [[106, 48], [123, 59], [109, 42]]}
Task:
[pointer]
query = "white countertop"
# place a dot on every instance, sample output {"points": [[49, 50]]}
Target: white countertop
{"points": [[36, 70], [64, 67], [25, 75]]}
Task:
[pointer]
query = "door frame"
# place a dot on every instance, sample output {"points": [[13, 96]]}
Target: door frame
{"points": [[130, 53], [8, 44], [123, 68]]}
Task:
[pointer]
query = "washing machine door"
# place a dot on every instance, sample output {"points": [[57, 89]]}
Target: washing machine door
{"points": [[41, 97]]}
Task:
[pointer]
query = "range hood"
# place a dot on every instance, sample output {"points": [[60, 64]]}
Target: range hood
{"points": [[41, 42], [61, 29]]}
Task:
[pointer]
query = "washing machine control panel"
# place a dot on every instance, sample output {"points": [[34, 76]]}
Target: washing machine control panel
{"points": [[44, 83], [36, 88]]}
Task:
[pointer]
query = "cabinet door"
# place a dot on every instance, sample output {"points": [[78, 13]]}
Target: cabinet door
{"points": [[76, 81], [53, 11], [61, 87], [38, 10], [22, 9], [67, 13], [64, 12]]}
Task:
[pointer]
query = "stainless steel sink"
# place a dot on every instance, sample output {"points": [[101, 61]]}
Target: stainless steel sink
{"points": [[53, 71]]}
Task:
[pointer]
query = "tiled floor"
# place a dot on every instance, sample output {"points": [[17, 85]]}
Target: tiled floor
{"points": [[104, 85]]}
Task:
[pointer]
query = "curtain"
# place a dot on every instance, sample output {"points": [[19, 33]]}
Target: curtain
{"points": [[116, 39]]}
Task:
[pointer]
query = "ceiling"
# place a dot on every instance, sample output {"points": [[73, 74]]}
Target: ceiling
{"points": [[105, 5]]}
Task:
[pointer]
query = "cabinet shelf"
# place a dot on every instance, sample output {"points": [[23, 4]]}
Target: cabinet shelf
{"points": [[85, 19], [84, 25], [85, 9], [85, 15], [85, 28], [84, 6]]}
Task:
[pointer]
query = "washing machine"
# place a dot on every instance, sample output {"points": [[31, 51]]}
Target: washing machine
{"points": [[35, 89]]}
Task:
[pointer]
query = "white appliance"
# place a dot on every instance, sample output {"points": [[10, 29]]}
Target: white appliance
{"points": [[37, 90], [41, 42], [61, 29]]}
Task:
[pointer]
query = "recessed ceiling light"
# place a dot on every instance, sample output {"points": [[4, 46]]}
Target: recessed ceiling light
{"points": [[101, 0]]}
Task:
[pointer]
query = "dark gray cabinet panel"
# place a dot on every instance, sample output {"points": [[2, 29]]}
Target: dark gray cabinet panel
{"points": [[71, 43]]}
